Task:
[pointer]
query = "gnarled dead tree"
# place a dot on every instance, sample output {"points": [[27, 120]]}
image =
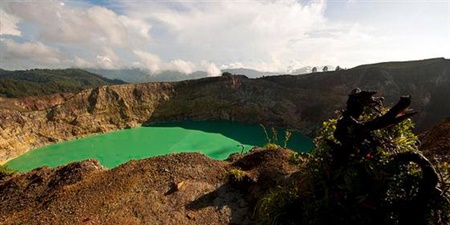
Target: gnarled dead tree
{"points": [[356, 137]]}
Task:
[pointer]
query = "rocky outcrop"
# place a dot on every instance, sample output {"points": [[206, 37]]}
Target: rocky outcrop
{"points": [[295, 102]]}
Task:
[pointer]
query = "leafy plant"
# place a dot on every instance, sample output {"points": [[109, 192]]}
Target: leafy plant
{"points": [[287, 136], [272, 142], [236, 175], [299, 158], [271, 146], [367, 190], [275, 207]]}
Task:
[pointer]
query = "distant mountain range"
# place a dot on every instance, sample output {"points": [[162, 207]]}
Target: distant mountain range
{"points": [[37, 82], [137, 75], [250, 73]]}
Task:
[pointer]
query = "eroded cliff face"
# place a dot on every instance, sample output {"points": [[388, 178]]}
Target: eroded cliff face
{"points": [[297, 102], [106, 108], [33, 122]]}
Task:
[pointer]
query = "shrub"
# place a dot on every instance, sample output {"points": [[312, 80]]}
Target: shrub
{"points": [[272, 142], [367, 190], [236, 175], [276, 207]]}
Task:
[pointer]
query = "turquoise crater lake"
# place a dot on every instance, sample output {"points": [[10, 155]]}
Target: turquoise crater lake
{"points": [[216, 139]]}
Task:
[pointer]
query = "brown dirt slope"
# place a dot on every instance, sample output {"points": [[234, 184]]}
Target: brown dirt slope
{"points": [[436, 141], [186, 188]]}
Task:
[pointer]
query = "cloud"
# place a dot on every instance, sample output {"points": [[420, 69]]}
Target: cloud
{"points": [[13, 52], [8, 24], [267, 35], [233, 65], [251, 32], [155, 64], [62, 23], [88, 35], [24, 50], [149, 61], [210, 68], [106, 58], [184, 36]]}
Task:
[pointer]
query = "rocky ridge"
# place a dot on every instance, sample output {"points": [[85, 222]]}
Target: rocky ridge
{"points": [[295, 102]]}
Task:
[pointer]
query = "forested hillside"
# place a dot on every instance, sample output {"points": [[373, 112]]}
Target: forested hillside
{"points": [[22, 83]]}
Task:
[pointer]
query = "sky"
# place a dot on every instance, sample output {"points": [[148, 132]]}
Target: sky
{"points": [[210, 35]]}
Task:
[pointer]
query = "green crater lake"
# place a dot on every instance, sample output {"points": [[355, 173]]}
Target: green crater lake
{"points": [[216, 139]]}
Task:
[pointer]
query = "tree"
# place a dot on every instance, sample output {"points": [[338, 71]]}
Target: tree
{"points": [[338, 68], [368, 176], [314, 70], [325, 69]]}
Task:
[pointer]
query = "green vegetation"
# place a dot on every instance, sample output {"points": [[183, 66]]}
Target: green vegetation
{"points": [[236, 175], [298, 158], [5, 171], [272, 142], [443, 169], [278, 207], [369, 189], [22, 83]]}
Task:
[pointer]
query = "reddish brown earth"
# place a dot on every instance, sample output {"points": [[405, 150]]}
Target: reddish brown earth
{"points": [[186, 188]]}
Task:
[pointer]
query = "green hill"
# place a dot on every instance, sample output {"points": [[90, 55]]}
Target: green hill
{"points": [[36, 82]]}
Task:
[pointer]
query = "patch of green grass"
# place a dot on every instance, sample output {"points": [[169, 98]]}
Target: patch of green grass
{"points": [[236, 175], [271, 146], [272, 142]]}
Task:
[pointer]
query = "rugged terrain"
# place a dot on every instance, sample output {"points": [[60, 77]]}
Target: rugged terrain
{"points": [[296, 102], [186, 188]]}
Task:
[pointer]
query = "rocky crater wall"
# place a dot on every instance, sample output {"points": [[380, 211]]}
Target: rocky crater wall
{"points": [[296, 102]]}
